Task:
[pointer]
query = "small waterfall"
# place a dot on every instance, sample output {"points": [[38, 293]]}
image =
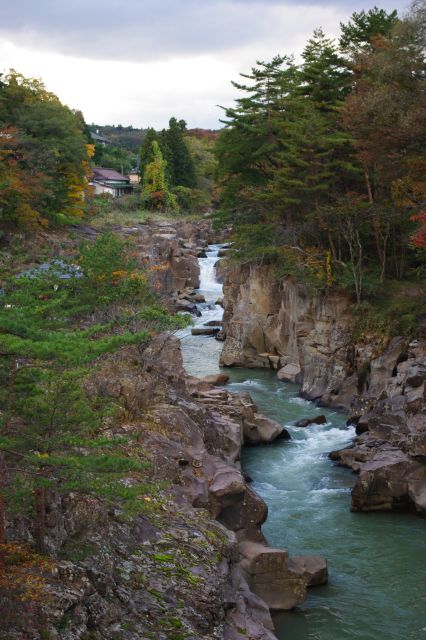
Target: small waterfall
{"points": [[209, 286], [201, 353]]}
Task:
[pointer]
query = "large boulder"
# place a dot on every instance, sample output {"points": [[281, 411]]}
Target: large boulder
{"points": [[244, 515], [268, 575], [290, 373], [384, 482], [216, 379], [258, 429], [313, 569], [417, 494], [185, 271], [226, 485], [416, 375]]}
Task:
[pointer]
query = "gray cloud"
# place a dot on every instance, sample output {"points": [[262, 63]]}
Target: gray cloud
{"points": [[146, 30]]}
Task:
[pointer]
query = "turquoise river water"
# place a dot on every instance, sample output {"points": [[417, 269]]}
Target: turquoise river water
{"points": [[377, 562]]}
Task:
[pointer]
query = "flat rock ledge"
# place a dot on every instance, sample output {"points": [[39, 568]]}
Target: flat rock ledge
{"points": [[280, 581]]}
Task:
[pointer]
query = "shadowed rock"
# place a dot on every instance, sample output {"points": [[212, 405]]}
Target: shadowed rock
{"points": [[269, 576], [313, 569], [204, 331], [306, 422]]}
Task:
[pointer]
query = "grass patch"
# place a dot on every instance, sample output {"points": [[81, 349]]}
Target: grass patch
{"points": [[398, 308]]}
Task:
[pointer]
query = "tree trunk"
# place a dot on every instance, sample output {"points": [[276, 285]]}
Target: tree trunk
{"points": [[2, 514], [40, 524], [10, 394], [376, 223]]}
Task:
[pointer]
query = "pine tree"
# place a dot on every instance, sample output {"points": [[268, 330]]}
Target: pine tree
{"points": [[177, 154], [364, 29], [49, 345], [324, 77], [281, 154]]}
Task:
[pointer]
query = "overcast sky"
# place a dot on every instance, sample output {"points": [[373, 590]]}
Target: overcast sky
{"points": [[141, 61]]}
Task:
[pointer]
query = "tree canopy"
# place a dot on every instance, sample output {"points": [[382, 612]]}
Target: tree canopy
{"points": [[45, 155], [322, 163]]}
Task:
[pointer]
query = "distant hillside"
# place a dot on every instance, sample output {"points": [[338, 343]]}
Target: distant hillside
{"points": [[131, 138], [207, 134], [127, 137]]}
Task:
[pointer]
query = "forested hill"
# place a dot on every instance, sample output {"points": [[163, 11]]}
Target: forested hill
{"points": [[129, 137]]}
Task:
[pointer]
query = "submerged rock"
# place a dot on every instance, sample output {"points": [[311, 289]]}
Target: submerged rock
{"points": [[306, 422], [204, 331]]}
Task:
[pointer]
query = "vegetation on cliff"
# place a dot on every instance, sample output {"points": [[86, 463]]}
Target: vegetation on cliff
{"points": [[56, 321], [321, 164]]}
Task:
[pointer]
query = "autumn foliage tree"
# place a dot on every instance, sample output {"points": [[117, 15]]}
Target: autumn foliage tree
{"points": [[155, 190], [45, 156], [322, 164]]}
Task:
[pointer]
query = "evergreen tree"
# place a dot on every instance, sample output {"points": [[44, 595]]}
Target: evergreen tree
{"points": [[364, 30], [49, 343], [324, 77], [177, 154], [249, 142], [281, 156], [146, 154]]}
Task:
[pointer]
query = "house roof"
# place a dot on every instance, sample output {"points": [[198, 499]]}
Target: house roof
{"points": [[101, 173]]}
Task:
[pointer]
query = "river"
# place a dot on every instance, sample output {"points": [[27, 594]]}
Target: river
{"points": [[377, 562]]}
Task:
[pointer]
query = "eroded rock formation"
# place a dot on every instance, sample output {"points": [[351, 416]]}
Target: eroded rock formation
{"points": [[308, 338], [181, 560]]}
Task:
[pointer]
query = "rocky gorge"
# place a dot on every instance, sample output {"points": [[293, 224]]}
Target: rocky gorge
{"points": [[308, 338], [191, 561]]}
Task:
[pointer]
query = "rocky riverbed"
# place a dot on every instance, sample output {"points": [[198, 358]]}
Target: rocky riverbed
{"points": [[193, 562]]}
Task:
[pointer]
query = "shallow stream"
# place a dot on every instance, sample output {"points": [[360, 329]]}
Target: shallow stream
{"points": [[377, 562]]}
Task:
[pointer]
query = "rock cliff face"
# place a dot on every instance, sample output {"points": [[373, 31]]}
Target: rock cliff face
{"points": [[308, 338], [169, 252], [193, 557], [189, 560], [389, 453]]}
